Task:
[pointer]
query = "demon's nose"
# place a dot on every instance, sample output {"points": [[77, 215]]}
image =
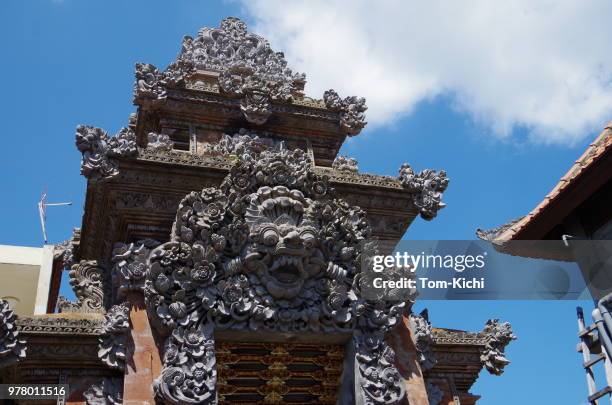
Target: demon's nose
{"points": [[292, 238]]}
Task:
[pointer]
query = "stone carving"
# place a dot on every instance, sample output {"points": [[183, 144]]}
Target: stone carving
{"points": [[231, 49], [256, 107], [427, 188], [86, 282], [456, 337], [58, 352], [130, 265], [59, 326], [108, 392], [215, 158], [246, 65], [111, 349], [345, 164], [379, 379], [65, 251], [499, 335], [99, 150], [146, 201], [272, 248], [352, 111], [241, 143], [190, 373], [434, 393], [159, 142], [423, 340], [12, 345], [149, 81]]}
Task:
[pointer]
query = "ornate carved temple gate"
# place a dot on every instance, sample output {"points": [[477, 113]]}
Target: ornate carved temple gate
{"points": [[219, 256]]}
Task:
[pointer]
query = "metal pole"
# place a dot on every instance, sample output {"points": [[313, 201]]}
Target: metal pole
{"points": [[586, 353]]}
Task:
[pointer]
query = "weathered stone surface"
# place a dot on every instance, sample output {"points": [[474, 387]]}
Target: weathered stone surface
{"points": [[143, 362]]}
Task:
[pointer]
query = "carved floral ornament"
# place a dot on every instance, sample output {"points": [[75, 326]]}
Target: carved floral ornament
{"points": [[86, 279], [112, 341], [12, 345], [244, 66], [100, 153], [271, 249], [345, 164]]}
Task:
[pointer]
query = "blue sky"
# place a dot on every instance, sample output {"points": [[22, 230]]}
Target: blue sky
{"points": [[70, 62]]}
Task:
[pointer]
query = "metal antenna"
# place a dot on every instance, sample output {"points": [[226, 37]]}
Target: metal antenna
{"points": [[42, 212]]}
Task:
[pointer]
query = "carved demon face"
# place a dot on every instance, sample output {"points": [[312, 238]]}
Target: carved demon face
{"points": [[284, 252], [270, 248]]}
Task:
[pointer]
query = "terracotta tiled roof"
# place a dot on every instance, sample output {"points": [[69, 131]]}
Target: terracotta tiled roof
{"points": [[596, 150]]}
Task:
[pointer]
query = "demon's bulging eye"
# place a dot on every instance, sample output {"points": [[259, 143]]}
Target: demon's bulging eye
{"points": [[269, 236], [308, 238]]}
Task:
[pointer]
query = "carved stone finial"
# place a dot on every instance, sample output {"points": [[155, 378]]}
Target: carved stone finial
{"points": [[99, 150], [12, 346], [427, 188], [423, 340], [86, 282], [352, 111], [159, 142], [245, 64], [107, 392], [345, 164], [111, 349], [499, 335]]}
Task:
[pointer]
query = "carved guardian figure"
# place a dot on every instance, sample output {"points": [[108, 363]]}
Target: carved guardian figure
{"points": [[272, 248], [499, 335], [427, 188]]}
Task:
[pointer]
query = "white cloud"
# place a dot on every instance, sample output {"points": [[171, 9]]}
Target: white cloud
{"points": [[540, 64]]}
